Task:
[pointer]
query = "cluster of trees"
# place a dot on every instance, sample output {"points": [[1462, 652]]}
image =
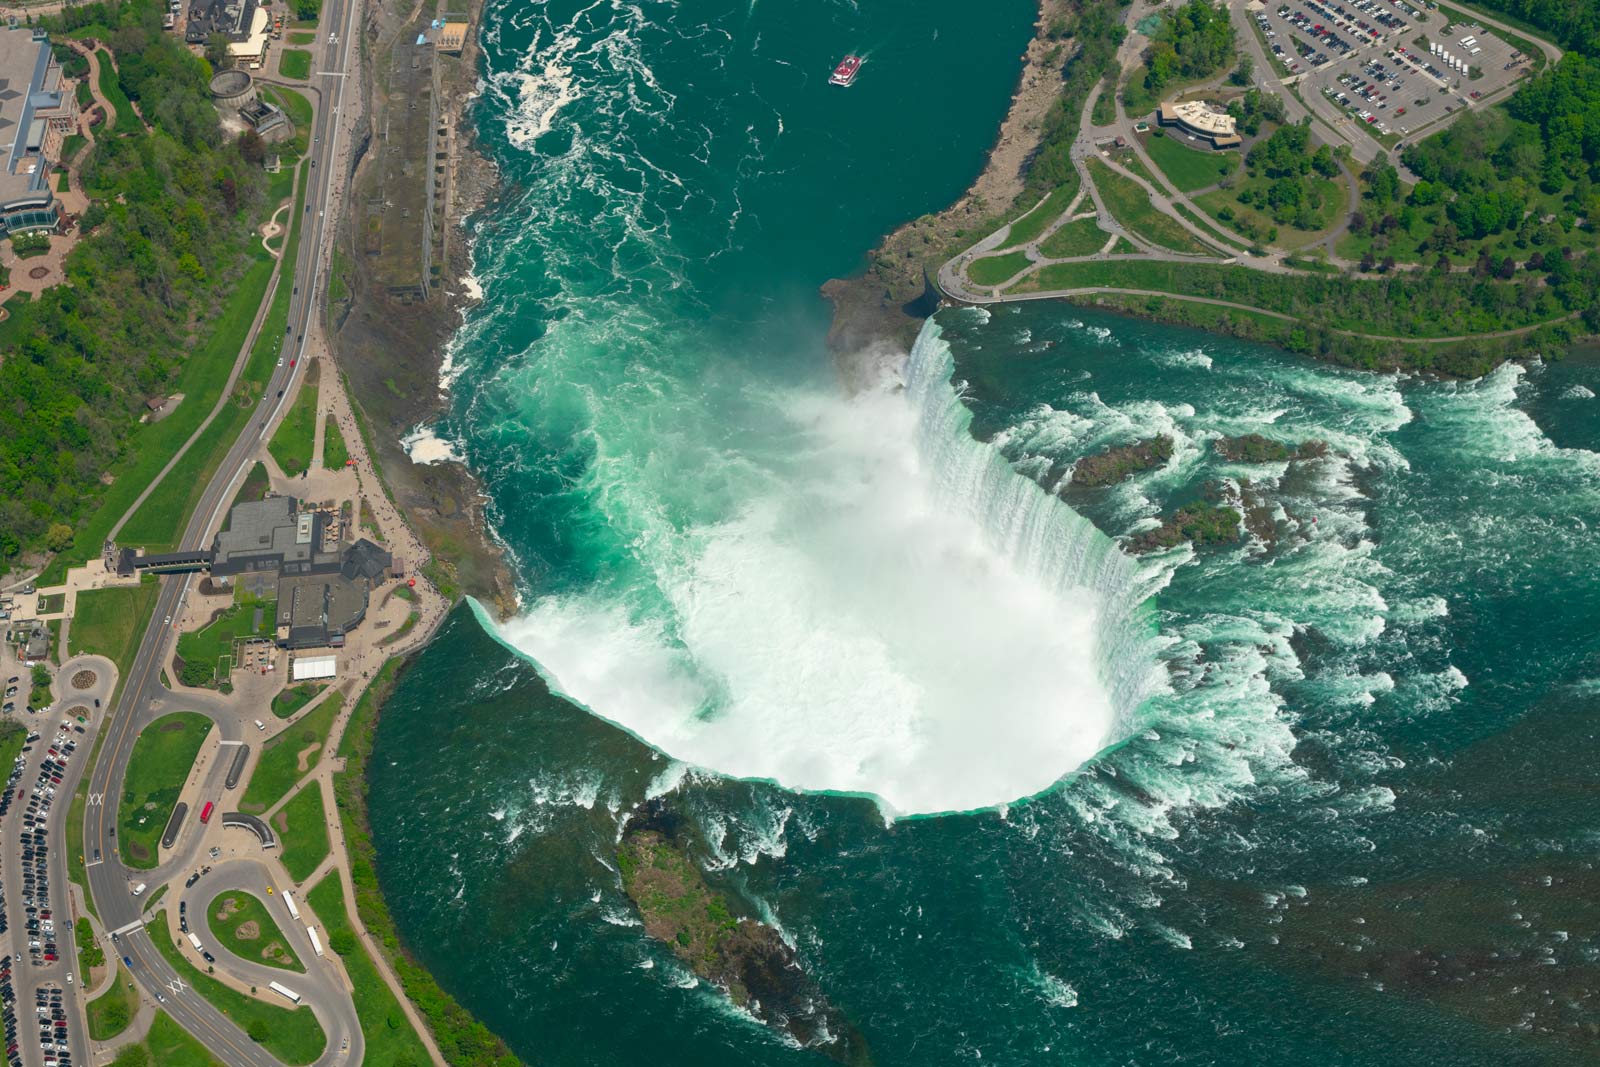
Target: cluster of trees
{"points": [[1097, 30], [1254, 108], [1193, 41], [1574, 23], [166, 235], [1291, 197]]}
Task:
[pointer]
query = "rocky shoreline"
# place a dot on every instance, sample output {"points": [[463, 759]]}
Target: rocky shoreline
{"points": [[886, 303], [391, 351]]}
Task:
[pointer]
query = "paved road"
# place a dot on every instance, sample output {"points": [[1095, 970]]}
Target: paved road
{"points": [[144, 697]]}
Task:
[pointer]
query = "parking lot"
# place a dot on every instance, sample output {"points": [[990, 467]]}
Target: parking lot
{"points": [[1386, 68]]}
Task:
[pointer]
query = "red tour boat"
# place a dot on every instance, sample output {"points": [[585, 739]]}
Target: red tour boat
{"points": [[846, 71]]}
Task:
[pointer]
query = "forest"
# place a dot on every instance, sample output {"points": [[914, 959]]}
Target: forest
{"points": [[165, 238]]}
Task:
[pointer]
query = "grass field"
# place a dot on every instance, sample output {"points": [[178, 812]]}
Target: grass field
{"points": [[1188, 168], [110, 622], [335, 453], [248, 930], [992, 270], [279, 767], [303, 828], [1252, 222], [1081, 238], [290, 701], [1131, 206], [162, 758], [294, 63], [151, 446], [293, 1036], [111, 89], [12, 737], [112, 1011], [296, 435], [1036, 221], [160, 520], [390, 1037], [302, 37]]}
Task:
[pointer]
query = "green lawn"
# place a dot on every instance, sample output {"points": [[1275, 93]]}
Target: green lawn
{"points": [[1081, 238], [162, 758], [1225, 205], [1038, 220], [294, 63], [290, 701], [248, 930], [294, 104], [302, 37], [295, 436], [170, 1045], [12, 737], [389, 1035], [202, 650], [1187, 168], [110, 622], [1131, 206], [112, 1011], [91, 953], [150, 447], [335, 453], [1105, 105], [279, 767], [302, 827], [111, 89], [292, 1035], [992, 270], [255, 487]]}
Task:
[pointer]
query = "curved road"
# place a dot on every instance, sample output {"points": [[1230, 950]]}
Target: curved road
{"points": [[144, 698]]}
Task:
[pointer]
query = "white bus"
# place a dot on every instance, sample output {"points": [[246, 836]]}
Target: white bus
{"points": [[294, 912], [195, 941], [316, 942], [285, 992]]}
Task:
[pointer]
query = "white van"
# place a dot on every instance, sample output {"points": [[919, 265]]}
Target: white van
{"points": [[261, 726], [138, 888]]}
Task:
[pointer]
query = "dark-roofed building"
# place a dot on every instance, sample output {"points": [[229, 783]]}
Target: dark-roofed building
{"points": [[37, 111], [322, 594], [235, 18]]}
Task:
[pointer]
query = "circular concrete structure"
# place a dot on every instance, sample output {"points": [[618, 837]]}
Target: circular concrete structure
{"points": [[234, 87]]}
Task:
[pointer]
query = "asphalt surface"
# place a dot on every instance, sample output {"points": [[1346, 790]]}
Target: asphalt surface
{"points": [[145, 698], [28, 975]]}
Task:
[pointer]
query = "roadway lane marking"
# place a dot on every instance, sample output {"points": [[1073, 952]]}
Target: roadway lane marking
{"points": [[224, 744], [96, 798], [175, 986], [95, 863], [130, 928]]}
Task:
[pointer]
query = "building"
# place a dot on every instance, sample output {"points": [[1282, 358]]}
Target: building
{"points": [[37, 111], [1203, 119], [251, 49], [271, 545], [233, 18]]}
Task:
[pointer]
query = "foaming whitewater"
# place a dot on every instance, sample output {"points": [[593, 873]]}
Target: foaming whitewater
{"points": [[902, 615]]}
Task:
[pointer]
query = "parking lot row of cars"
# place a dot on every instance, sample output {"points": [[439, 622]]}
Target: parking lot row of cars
{"points": [[8, 1013], [1336, 29], [43, 948], [53, 1040]]}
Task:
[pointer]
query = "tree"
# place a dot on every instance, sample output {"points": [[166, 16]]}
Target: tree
{"points": [[342, 941], [252, 149], [1243, 72], [258, 1031], [217, 51], [59, 537], [1323, 163]]}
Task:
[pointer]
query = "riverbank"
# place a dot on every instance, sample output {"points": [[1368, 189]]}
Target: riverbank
{"points": [[391, 340], [887, 301]]}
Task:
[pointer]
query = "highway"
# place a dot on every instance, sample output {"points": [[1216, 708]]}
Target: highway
{"points": [[144, 697]]}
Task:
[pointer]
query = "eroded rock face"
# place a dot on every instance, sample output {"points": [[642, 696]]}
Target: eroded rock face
{"points": [[743, 957]]}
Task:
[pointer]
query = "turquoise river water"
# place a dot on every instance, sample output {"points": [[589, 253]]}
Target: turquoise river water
{"points": [[1015, 795]]}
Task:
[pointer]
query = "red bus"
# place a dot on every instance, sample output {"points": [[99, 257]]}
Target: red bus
{"points": [[205, 812]]}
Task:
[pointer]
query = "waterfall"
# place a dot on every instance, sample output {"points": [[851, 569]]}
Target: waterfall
{"points": [[1049, 542]]}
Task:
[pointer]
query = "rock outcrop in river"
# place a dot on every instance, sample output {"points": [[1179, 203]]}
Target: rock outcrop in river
{"points": [[743, 957]]}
